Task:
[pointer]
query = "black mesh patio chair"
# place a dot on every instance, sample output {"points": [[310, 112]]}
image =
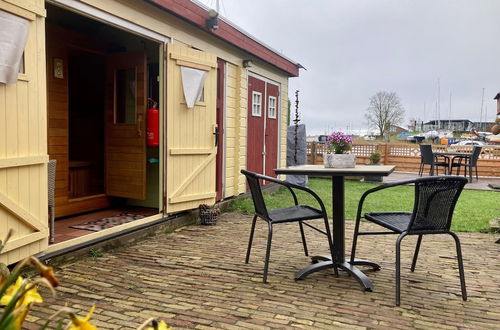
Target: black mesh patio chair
{"points": [[435, 199], [296, 213], [468, 163], [427, 157]]}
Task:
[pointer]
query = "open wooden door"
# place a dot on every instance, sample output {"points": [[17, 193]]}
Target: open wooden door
{"points": [[23, 146], [191, 147], [125, 125]]}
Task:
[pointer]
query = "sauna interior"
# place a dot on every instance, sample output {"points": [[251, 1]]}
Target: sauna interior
{"points": [[99, 80]]}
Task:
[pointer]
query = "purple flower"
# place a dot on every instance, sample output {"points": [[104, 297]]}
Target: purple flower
{"points": [[338, 142]]}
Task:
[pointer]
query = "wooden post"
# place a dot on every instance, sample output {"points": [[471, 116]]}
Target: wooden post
{"points": [[313, 152], [383, 150]]}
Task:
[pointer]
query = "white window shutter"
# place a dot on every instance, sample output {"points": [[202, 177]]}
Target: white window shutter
{"points": [[13, 36], [193, 81]]}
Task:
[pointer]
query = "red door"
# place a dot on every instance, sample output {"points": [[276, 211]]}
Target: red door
{"points": [[221, 66], [255, 124], [271, 128]]}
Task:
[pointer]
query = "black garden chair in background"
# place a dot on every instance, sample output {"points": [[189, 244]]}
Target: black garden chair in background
{"points": [[296, 213], [427, 157], [468, 163], [435, 200]]}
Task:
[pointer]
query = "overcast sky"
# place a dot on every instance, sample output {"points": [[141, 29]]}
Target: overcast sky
{"points": [[353, 49]]}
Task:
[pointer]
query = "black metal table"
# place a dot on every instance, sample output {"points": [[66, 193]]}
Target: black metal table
{"points": [[325, 261], [465, 155]]}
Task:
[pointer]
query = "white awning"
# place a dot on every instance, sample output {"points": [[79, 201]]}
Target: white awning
{"points": [[13, 36]]}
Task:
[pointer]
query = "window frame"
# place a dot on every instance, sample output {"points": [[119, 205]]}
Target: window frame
{"points": [[275, 107], [254, 104]]}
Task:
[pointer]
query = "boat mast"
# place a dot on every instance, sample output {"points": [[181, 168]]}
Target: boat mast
{"points": [[481, 113], [449, 116], [439, 106]]}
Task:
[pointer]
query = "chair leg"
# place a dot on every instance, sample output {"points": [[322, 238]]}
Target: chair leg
{"points": [[477, 178], [415, 255], [304, 243], [355, 240], [421, 169], [268, 251], [460, 266], [431, 171], [330, 244], [398, 268], [51, 224], [251, 239]]}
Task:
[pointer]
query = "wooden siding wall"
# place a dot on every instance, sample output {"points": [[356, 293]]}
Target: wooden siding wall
{"points": [[284, 121], [23, 144], [406, 157], [59, 43], [236, 116]]}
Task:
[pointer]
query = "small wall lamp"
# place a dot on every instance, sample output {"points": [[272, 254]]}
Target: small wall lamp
{"points": [[213, 20], [247, 63]]}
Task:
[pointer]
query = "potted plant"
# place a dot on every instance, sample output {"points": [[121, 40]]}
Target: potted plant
{"points": [[337, 145], [374, 160]]}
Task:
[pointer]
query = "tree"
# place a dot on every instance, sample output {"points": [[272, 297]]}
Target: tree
{"points": [[385, 110]]}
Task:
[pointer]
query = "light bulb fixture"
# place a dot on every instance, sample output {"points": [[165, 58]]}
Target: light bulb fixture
{"points": [[212, 20], [247, 63]]}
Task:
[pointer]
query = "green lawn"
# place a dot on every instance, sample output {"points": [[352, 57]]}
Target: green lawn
{"points": [[473, 212]]}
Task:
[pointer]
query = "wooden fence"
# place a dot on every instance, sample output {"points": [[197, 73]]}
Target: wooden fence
{"points": [[406, 157]]}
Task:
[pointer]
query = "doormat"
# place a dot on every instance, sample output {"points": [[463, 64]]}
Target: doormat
{"points": [[108, 222]]}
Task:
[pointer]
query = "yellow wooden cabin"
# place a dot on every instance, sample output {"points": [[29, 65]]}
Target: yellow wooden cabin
{"points": [[81, 96]]}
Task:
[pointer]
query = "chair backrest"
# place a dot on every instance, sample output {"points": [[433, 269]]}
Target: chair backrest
{"points": [[51, 182], [475, 155], [435, 200], [426, 154], [257, 197]]}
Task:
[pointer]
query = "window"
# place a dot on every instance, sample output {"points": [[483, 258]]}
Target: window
{"points": [[256, 104], [125, 96], [272, 107]]}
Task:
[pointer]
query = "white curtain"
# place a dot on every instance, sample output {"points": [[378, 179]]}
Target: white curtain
{"points": [[193, 81], [13, 36]]}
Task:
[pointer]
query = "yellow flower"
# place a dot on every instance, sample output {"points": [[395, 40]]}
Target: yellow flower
{"points": [[46, 272], [30, 296], [79, 323], [161, 326], [20, 316]]}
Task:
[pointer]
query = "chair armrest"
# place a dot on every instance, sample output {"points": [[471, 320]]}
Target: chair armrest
{"points": [[378, 188], [446, 158], [292, 186], [460, 159]]}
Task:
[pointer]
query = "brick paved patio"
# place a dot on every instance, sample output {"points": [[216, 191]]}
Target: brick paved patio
{"points": [[196, 278]]}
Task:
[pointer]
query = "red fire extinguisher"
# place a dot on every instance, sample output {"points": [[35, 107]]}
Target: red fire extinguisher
{"points": [[153, 124]]}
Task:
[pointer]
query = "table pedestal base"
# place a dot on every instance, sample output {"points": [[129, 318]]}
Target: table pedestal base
{"points": [[325, 262]]}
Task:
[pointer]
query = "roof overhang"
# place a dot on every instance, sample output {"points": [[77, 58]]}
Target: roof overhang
{"points": [[198, 16]]}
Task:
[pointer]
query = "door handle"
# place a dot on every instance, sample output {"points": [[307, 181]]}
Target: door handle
{"points": [[216, 135], [139, 125]]}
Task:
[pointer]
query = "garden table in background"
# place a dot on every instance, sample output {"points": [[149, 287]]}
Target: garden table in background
{"points": [[447, 154], [337, 175]]}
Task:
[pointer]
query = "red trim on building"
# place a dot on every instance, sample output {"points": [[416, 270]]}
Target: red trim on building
{"points": [[198, 16]]}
